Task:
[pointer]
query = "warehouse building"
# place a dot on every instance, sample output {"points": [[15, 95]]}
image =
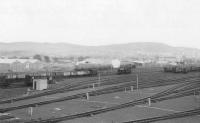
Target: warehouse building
{"points": [[19, 65]]}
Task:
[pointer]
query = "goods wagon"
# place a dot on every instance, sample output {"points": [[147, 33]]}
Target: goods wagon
{"points": [[3, 81], [29, 79], [177, 68], [181, 68]]}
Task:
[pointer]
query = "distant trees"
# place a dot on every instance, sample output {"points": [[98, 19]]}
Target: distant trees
{"points": [[81, 58], [38, 57], [55, 59], [47, 59], [24, 57], [42, 58], [13, 57]]}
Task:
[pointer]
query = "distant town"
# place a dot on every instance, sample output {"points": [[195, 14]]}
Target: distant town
{"points": [[46, 63]]}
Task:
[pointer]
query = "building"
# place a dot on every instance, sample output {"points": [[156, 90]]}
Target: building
{"points": [[19, 65]]}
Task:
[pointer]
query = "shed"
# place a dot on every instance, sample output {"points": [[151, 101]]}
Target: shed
{"points": [[40, 84]]}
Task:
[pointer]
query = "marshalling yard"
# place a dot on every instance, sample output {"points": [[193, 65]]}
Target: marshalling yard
{"points": [[143, 96]]}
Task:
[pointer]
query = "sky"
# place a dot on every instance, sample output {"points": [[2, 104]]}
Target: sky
{"points": [[101, 22]]}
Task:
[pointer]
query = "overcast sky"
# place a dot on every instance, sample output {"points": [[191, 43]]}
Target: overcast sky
{"points": [[99, 22]]}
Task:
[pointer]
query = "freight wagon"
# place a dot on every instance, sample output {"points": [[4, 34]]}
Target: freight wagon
{"points": [[181, 68]]}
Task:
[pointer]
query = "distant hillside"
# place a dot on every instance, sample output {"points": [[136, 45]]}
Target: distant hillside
{"points": [[64, 49]]}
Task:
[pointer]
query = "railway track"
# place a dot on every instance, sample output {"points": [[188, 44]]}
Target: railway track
{"points": [[167, 117], [145, 78], [174, 92], [5, 117], [108, 80], [69, 87], [107, 90]]}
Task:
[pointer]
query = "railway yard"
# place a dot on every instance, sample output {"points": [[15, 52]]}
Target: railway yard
{"points": [[143, 96], [100, 61]]}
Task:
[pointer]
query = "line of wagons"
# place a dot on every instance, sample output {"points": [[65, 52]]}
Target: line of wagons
{"points": [[181, 68], [7, 79]]}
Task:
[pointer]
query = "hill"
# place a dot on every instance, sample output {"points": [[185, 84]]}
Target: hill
{"points": [[65, 49]]}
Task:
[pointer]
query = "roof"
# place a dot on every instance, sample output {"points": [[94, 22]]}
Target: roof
{"points": [[10, 61]]}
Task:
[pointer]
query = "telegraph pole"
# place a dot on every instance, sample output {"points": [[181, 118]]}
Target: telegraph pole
{"points": [[137, 85], [99, 80], [137, 81]]}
